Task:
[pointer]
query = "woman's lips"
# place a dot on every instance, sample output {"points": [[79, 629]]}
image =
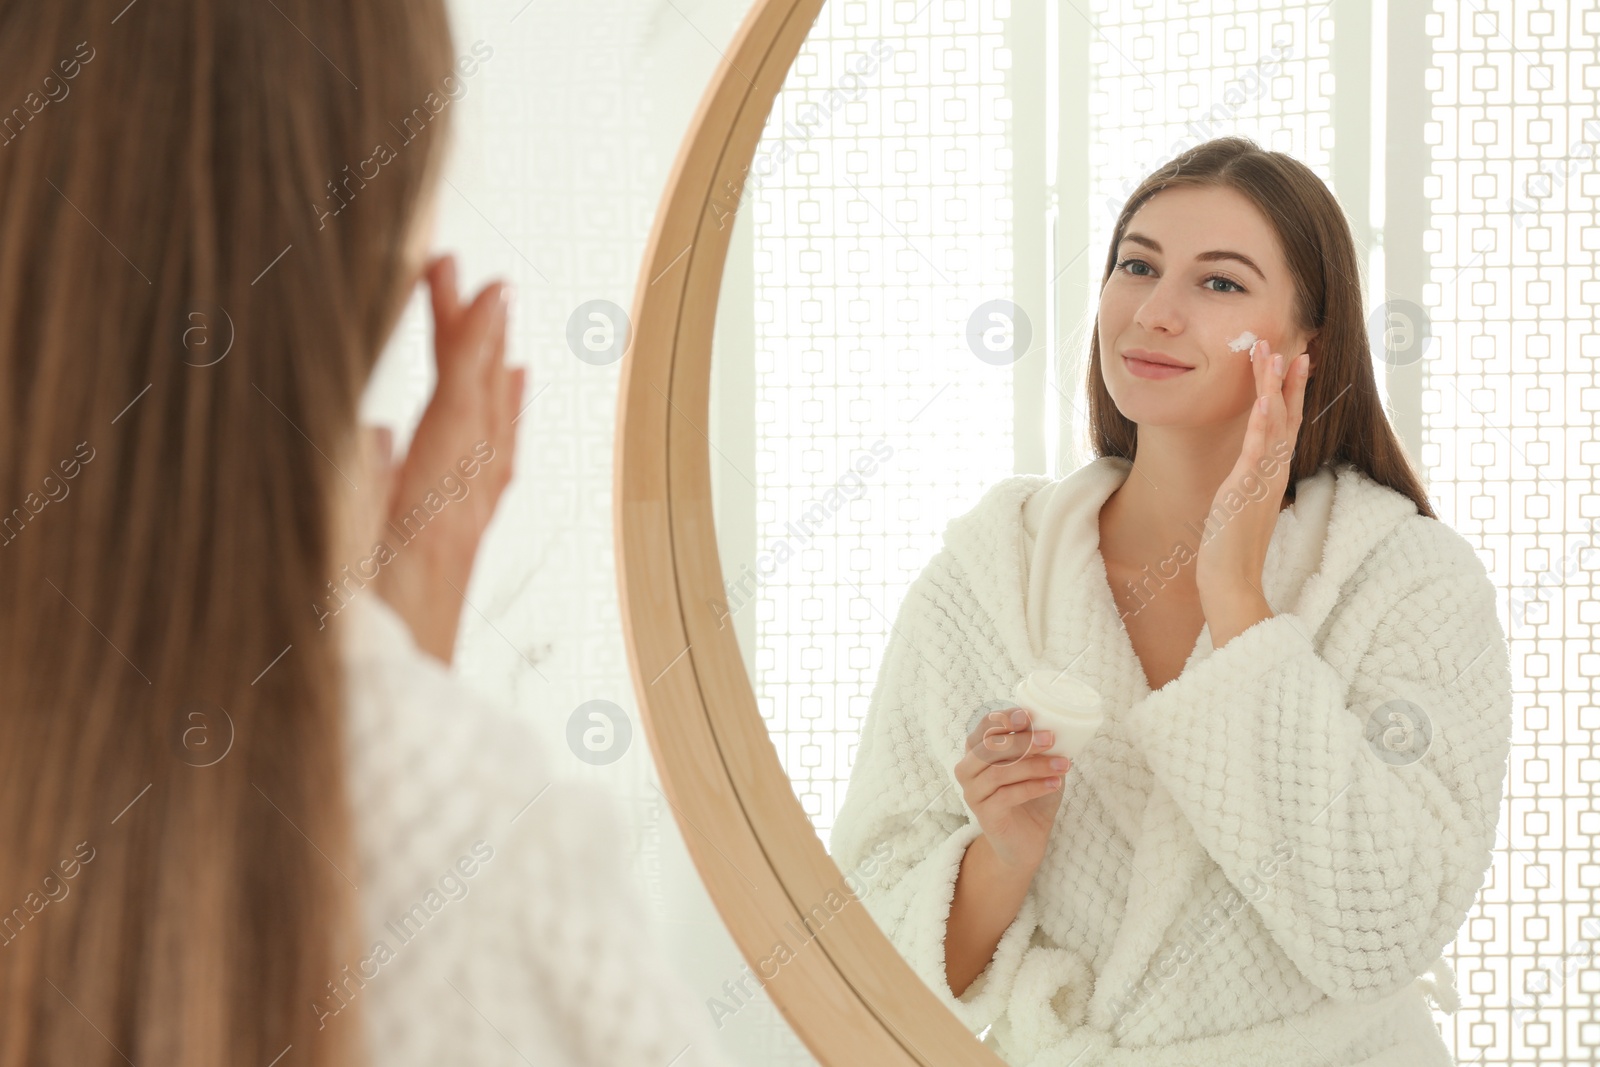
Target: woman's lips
{"points": [[1141, 369]]}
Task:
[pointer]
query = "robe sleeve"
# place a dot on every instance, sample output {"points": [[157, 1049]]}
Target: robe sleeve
{"points": [[1367, 804], [903, 800]]}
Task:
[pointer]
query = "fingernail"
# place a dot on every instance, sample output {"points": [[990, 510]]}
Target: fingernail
{"points": [[1044, 738], [1058, 764], [506, 294], [1277, 363], [1019, 718]]}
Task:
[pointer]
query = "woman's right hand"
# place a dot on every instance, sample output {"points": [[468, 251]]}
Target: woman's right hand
{"points": [[468, 425], [1012, 787]]}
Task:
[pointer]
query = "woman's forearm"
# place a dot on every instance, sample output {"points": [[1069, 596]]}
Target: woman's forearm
{"points": [[987, 898]]}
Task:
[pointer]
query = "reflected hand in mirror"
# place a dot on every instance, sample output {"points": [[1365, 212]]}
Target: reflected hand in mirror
{"points": [[1012, 786], [1014, 790]]}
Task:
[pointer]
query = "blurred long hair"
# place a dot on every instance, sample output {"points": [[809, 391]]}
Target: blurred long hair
{"points": [[201, 257]]}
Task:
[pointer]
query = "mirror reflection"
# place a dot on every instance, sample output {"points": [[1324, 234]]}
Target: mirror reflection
{"points": [[1139, 715]]}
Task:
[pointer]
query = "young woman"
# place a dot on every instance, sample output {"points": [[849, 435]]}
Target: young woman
{"points": [[248, 815], [1290, 805]]}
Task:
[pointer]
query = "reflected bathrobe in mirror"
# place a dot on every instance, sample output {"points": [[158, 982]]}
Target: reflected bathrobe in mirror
{"points": [[1260, 862]]}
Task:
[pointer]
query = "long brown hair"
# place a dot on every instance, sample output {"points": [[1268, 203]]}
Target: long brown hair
{"points": [[201, 257], [1344, 420]]}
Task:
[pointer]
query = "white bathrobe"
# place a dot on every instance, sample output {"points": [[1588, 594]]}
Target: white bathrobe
{"points": [[502, 923], [1259, 863]]}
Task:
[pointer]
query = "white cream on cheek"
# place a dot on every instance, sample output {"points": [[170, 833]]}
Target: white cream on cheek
{"points": [[1243, 341]]}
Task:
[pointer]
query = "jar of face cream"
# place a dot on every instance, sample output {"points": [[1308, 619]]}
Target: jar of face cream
{"points": [[1062, 704]]}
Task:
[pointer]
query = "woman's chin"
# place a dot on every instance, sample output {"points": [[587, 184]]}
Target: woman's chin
{"points": [[1137, 403], [1183, 413]]}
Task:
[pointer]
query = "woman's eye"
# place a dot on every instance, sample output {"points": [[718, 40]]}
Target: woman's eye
{"points": [[1130, 262]]}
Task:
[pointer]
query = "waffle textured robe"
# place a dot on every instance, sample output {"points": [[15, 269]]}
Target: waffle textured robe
{"points": [[1259, 863], [510, 928]]}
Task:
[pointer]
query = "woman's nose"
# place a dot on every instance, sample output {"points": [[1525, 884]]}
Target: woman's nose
{"points": [[1158, 311]]}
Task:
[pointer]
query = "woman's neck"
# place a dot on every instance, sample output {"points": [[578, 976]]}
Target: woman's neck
{"points": [[1148, 516]]}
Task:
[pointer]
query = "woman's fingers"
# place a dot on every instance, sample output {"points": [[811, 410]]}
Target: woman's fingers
{"points": [[462, 411], [994, 779], [483, 323], [1279, 374], [1007, 720], [441, 275], [467, 339], [465, 356], [1002, 738], [1261, 361], [1022, 792], [497, 349], [1000, 753], [1297, 389]]}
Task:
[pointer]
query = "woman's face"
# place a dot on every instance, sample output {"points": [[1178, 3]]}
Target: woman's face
{"points": [[1197, 267]]}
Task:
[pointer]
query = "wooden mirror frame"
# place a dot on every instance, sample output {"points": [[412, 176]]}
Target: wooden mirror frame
{"points": [[847, 991]]}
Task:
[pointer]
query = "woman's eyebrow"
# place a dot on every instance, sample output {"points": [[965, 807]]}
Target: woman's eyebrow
{"points": [[1215, 254]]}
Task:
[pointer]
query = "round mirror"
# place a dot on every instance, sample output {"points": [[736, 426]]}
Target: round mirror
{"points": [[796, 916], [867, 304]]}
